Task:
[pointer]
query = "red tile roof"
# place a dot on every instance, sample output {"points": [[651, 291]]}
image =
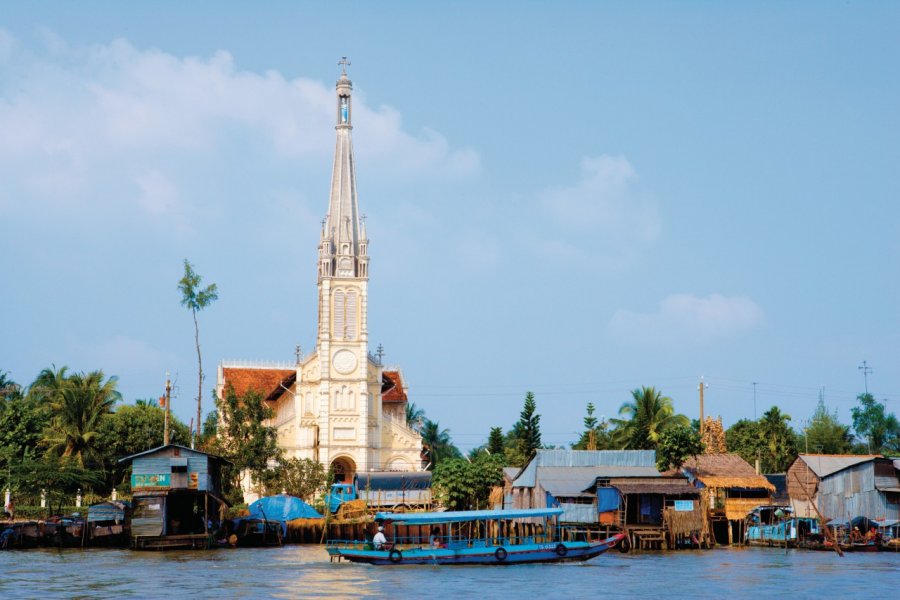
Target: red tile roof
{"points": [[264, 381], [392, 387]]}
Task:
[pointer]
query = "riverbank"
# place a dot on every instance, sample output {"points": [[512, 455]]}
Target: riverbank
{"points": [[305, 572]]}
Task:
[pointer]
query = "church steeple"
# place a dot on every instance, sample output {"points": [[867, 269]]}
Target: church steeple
{"points": [[343, 249]]}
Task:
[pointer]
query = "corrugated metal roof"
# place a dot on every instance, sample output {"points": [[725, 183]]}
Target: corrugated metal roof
{"points": [[596, 458], [824, 465], [575, 481], [181, 449]]}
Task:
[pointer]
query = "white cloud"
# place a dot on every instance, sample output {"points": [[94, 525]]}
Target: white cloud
{"points": [[685, 319], [84, 119], [604, 216]]}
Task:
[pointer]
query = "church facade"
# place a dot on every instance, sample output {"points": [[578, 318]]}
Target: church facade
{"points": [[337, 405]]}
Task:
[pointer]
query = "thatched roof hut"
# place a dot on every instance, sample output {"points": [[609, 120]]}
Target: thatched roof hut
{"points": [[734, 485]]}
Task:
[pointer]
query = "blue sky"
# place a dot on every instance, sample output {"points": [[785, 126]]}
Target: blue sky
{"points": [[576, 200]]}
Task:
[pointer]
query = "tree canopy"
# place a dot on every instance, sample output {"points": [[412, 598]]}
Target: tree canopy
{"points": [[676, 444], [466, 485], [526, 433], [769, 439], [825, 434], [644, 418], [875, 425]]}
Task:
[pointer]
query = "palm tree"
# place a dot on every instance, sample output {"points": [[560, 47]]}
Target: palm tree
{"points": [[438, 443], [414, 416], [47, 384], [78, 407], [644, 418]]}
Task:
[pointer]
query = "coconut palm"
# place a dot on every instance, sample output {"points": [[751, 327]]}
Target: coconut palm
{"points": [[47, 384], [644, 418], [78, 408], [438, 443], [414, 416]]}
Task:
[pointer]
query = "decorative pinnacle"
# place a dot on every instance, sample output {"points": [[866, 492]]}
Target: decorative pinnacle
{"points": [[344, 63]]}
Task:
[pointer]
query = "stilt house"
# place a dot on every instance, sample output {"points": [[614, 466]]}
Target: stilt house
{"points": [[177, 497], [731, 489]]}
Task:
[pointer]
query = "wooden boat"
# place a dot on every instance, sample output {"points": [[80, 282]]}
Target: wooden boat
{"points": [[484, 537], [257, 533]]}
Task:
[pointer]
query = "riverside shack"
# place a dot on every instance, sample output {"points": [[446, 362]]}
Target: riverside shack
{"points": [[568, 479], [805, 475], [846, 486], [177, 497], [732, 489], [612, 490]]}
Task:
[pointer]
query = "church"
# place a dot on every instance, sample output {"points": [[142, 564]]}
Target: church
{"points": [[338, 405]]}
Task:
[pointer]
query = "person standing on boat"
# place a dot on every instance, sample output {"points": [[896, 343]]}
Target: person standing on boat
{"points": [[379, 540]]}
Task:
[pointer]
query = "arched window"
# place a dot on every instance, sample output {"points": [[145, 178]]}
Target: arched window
{"points": [[350, 316], [340, 310], [345, 316]]}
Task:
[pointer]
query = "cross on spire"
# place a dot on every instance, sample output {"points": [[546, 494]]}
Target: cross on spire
{"points": [[343, 64]]}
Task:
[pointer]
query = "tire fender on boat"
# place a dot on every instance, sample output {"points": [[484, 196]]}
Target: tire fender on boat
{"points": [[395, 556], [561, 550], [500, 554], [623, 546]]}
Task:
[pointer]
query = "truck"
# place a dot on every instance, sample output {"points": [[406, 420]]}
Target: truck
{"points": [[384, 491]]}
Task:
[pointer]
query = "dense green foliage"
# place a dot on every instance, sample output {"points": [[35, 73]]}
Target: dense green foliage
{"points": [[244, 438], [676, 444], [496, 443], [872, 423], [769, 439], [825, 434], [525, 437], [461, 484], [299, 477], [644, 418]]}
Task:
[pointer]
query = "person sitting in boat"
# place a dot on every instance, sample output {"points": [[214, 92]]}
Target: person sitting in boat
{"points": [[435, 539], [855, 535], [872, 535], [379, 540]]}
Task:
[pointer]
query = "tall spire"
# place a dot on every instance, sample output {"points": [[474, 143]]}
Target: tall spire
{"points": [[343, 248]]}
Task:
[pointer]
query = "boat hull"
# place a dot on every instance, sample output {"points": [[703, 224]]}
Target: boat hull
{"points": [[487, 555]]}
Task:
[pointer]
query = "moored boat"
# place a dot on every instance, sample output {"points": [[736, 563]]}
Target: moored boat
{"points": [[773, 525], [488, 537]]}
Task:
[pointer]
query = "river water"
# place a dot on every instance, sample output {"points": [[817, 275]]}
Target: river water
{"points": [[305, 572]]}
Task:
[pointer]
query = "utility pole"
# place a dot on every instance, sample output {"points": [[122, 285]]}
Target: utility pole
{"points": [[866, 369], [168, 402], [702, 385]]}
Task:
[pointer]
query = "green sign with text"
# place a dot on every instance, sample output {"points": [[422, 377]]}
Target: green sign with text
{"points": [[150, 481]]}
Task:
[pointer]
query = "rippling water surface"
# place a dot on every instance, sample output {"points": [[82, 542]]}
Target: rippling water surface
{"points": [[304, 571]]}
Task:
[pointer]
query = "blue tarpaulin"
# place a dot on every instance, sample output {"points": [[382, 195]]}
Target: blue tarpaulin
{"points": [[607, 499], [282, 508]]}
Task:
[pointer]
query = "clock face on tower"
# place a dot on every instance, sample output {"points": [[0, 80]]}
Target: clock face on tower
{"points": [[344, 362]]}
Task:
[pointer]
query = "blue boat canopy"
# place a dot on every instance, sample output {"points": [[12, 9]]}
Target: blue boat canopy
{"points": [[282, 507], [461, 516]]}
